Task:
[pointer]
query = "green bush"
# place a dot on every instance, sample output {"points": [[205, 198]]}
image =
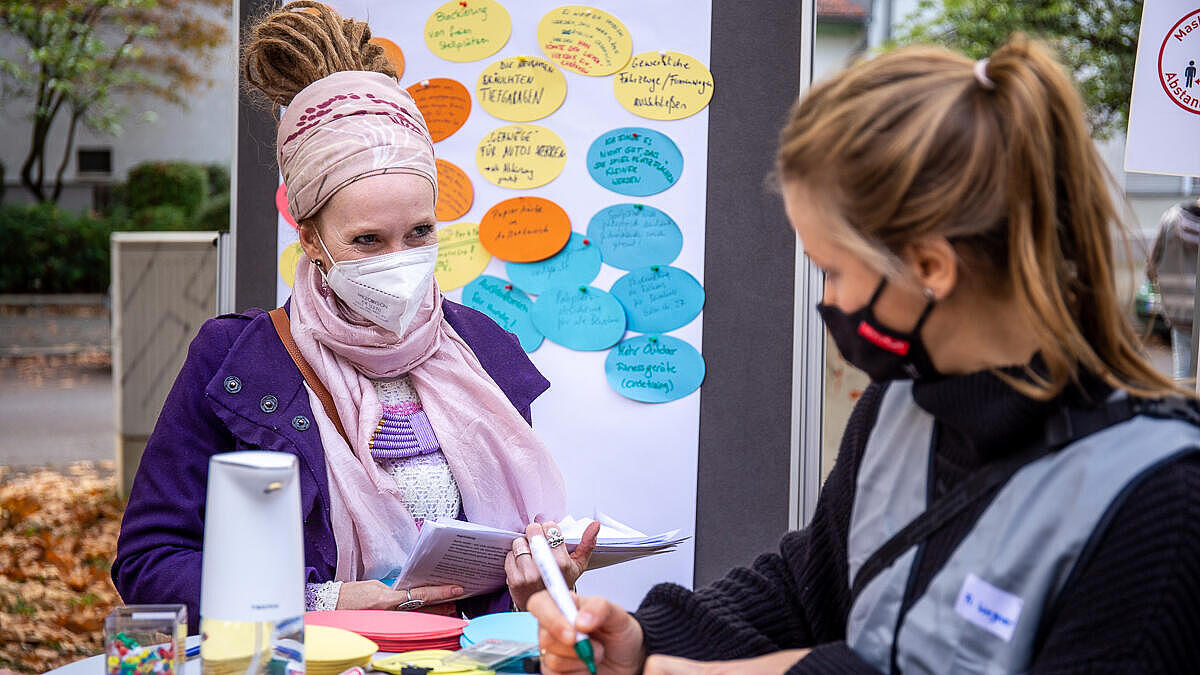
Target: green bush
{"points": [[178, 184], [154, 218], [218, 180], [214, 215], [49, 250]]}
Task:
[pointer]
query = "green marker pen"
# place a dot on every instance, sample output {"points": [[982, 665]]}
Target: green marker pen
{"points": [[557, 587]]}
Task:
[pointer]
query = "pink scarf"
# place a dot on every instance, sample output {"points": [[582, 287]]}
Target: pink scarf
{"points": [[505, 474]]}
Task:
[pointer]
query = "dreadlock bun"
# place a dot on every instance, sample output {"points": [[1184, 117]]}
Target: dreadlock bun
{"points": [[302, 42]]}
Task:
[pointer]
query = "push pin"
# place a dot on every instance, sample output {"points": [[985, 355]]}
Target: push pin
{"points": [[654, 268], [424, 83], [637, 207], [462, 2], [635, 134], [520, 59], [653, 340], [583, 289], [661, 52], [508, 287], [587, 242]]}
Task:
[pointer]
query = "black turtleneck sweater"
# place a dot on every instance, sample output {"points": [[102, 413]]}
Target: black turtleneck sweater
{"points": [[1133, 605]]}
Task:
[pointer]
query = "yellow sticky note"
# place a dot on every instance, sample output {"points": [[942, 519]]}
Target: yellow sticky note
{"points": [[521, 156], [521, 88], [664, 86], [288, 261], [461, 257], [585, 40], [467, 30]]}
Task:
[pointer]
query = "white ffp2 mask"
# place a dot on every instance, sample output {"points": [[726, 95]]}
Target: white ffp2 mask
{"points": [[386, 289]]}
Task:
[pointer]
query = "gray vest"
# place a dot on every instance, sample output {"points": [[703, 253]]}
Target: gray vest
{"points": [[980, 612]]}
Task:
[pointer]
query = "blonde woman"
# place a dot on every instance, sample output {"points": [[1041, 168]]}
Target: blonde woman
{"points": [[1018, 490], [401, 405]]}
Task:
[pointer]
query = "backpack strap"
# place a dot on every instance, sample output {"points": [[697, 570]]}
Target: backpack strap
{"points": [[283, 326]]}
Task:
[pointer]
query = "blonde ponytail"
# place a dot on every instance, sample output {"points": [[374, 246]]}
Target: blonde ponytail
{"points": [[998, 159]]}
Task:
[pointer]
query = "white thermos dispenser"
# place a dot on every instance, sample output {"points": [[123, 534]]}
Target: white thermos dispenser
{"points": [[252, 575]]}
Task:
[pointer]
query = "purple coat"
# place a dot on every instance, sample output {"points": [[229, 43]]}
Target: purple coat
{"points": [[208, 411]]}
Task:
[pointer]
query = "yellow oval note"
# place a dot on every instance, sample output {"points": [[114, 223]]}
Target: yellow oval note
{"points": [[521, 88], [585, 40], [467, 30], [288, 261], [461, 257], [521, 156], [664, 86]]}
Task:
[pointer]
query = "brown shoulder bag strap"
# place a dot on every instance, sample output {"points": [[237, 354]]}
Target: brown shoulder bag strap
{"points": [[283, 326]]}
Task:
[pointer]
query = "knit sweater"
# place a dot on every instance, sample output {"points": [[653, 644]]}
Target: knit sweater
{"points": [[1130, 607]]}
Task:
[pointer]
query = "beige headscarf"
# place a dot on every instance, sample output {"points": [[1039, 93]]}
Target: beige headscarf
{"points": [[344, 127]]}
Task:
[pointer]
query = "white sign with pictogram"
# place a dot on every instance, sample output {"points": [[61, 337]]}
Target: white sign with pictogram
{"points": [[1164, 112]]}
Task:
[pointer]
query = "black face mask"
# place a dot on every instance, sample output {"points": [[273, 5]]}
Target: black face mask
{"points": [[882, 353]]}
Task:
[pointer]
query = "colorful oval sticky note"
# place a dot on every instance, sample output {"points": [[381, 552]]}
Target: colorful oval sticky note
{"points": [[583, 318], [525, 229], [521, 88], [654, 368], [664, 86], [521, 156], [467, 30], [507, 305], [659, 298], [634, 161], [585, 39], [281, 205], [444, 103], [393, 53], [288, 261], [461, 257], [577, 263], [635, 235], [455, 194]]}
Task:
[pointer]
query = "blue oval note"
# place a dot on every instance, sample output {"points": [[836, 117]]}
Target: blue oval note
{"points": [[576, 264], [634, 161], [635, 235], [658, 299], [514, 626], [584, 318], [654, 368], [507, 305]]}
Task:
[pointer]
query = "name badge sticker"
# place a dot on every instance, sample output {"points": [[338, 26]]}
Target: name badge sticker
{"points": [[988, 607]]}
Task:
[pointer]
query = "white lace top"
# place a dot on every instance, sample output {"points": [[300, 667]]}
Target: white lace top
{"points": [[427, 486]]}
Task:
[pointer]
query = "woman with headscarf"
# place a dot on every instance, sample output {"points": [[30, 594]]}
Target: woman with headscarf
{"points": [[416, 408]]}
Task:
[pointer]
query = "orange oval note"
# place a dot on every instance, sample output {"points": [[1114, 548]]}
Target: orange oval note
{"points": [[281, 204], [525, 229], [393, 53], [455, 193], [444, 103]]}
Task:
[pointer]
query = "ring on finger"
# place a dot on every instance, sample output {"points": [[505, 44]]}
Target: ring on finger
{"points": [[411, 602], [554, 537]]}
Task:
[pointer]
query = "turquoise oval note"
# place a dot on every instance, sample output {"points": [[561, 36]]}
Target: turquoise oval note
{"points": [[576, 264], [507, 305], [583, 318], [634, 161], [659, 298], [654, 368], [635, 235]]}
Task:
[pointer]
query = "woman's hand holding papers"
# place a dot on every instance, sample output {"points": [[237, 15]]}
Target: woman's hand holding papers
{"points": [[377, 595], [523, 577]]}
